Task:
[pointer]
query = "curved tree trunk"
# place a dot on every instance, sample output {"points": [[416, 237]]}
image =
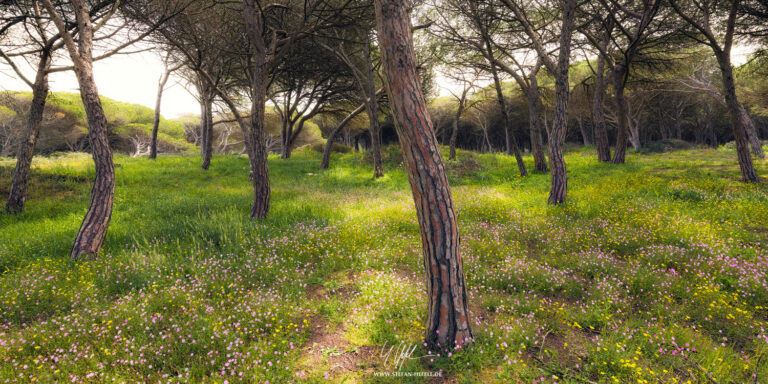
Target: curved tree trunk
{"points": [[621, 114], [598, 116], [94, 227], [537, 143], [447, 321], [20, 179], [735, 113], [329, 143], [92, 231]]}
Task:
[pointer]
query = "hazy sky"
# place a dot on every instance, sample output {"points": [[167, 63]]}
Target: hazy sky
{"points": [[133, 78], [129, 78]]}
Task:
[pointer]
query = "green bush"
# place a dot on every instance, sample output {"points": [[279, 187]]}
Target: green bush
{"points": [[335, 148]]}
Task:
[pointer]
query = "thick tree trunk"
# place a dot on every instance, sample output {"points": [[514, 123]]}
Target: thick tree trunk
{"points": [[752, 135], [93, 230], [622, 136], [559, 188], [156, 123], [734, 111], [511, 141], [20, 179], [534, 122], [598, 114], [259, 80], [447, 323]]}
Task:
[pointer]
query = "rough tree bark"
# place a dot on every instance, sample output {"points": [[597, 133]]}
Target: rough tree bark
{"points": [[619, 80], [259, 80], [752, 135], [206, 123], [20, 179], [91, 235], [559, 188], [737, 121], [447, 321]]}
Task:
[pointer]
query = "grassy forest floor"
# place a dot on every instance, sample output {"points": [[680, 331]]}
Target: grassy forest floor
{"points": [[655, 271]]}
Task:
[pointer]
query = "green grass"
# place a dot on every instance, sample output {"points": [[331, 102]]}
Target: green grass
{"points": [[654, 271]]}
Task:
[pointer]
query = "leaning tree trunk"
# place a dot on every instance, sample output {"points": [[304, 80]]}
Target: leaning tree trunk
{"points": [[93, 230], [598, 116], [156, 122], [447, 323], [510, 137], [329, 143], [20, 179], [734, 111], [559, 188], [622, 136], [534, 122]]}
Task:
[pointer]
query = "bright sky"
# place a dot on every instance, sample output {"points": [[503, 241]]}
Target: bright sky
{"points": [[129, 78], [133, 78]]}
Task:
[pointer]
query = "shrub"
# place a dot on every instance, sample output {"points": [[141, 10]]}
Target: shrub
{"points": [[335, 148], [665, 145]]}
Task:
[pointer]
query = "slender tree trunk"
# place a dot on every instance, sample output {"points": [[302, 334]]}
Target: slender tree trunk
{"points": [[206, 123], [734, 111], [622, 136], [20, 179], [584, 135], [559, 187], [711, 127], [455, 130], [156, 123], [373, 112], [534, 122], [259, 80], [329, 143], [598, 114], [511, 141], [447, 321]]}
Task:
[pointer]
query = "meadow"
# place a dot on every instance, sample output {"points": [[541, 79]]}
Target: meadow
{"points": [[655, 271]]}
